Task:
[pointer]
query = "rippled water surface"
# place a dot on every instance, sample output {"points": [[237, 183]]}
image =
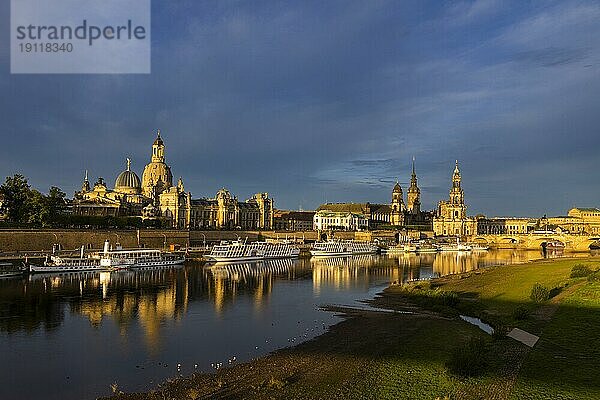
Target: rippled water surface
{"points": [[71, 336]]}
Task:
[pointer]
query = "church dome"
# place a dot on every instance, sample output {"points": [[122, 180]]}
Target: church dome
{"points": [[397, 188], [128, 180]]}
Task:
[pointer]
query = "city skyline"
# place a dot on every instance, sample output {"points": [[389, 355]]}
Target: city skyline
{"points": [[316, 103]]}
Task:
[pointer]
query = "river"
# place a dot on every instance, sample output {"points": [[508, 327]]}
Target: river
{"points": [[72, 336]]}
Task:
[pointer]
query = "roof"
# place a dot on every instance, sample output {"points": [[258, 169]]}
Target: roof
{"points": [[589, 209], [381, 208], [328, 213], [297, 215], [344, 207], [357, 208], [128, 179]]}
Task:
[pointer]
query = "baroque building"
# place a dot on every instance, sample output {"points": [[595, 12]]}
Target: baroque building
{"points": [[155, 197], [409, 214], [397, 214], [451, 216]]}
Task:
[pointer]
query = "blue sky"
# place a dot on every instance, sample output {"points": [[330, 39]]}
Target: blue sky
{"points": [[318, 101]]}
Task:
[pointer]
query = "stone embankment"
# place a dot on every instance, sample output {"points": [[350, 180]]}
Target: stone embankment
{"points": [[39, 240]]}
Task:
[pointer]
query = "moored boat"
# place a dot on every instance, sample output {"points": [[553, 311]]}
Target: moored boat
{"points": [[342, 248], [554, 245], [242, 251], [456, 246], [427, 248], [56, 263], [479, 247], [119, 258], [8, 270]]}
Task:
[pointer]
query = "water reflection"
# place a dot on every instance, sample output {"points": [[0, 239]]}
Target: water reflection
{"points": [[228, 280], [129, 325]]}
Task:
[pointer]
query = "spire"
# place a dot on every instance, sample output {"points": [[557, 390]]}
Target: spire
{"points": [[413, 179], [128, 164], [158, 133], [85, 187], [456, 170]]}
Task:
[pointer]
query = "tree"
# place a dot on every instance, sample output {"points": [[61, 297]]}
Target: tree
{"points": [[55, 204], [15, 192], [37, 212], [24, 205]]}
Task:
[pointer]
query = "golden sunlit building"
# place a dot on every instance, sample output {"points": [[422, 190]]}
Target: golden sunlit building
{"points": [[155, 197], [451, 216]]}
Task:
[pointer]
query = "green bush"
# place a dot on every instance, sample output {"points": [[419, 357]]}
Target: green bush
{"points": [[520, 313], [594, 277], [469, 360], [447, 298], [539, 293], [580, 271]]}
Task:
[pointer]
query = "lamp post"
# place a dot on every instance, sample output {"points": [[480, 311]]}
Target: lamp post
{"points": [[165, 241]]}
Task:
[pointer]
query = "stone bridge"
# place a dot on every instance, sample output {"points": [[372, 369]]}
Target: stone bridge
{"points": [[533, 241]]}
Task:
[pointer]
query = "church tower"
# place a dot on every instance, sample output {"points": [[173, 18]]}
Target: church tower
{"points": [[398, 207], [457, 195], [413, 195], [157, 175], [454, 208], [158, 149]]}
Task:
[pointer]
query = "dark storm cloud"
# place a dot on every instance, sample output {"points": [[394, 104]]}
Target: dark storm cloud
{"points": [[316, 102]]}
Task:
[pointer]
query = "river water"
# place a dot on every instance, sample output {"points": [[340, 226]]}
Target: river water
{"points": [[72, 336]]}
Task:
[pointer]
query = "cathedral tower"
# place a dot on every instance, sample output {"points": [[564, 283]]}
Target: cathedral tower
{"points": [[413, 195], [457, 195]]}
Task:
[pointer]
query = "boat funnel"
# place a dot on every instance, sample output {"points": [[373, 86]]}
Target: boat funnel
{"points": [[106, 246]]}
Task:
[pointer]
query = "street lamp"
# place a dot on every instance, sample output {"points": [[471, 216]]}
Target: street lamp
{"points": [[165, 241]]}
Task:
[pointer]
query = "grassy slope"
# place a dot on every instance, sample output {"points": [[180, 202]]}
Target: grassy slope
{"points": [[565, 364]]}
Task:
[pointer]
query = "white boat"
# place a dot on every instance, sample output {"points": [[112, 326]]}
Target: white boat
{"points": [[119, 258], [427, 248], [342, 248], [456, 247], [394, 249], [68, 264], [243, 251], [410, 248], [7, 270], [479, 247]]}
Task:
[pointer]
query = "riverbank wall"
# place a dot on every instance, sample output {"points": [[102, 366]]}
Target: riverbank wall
{"points": [[43, 239]]}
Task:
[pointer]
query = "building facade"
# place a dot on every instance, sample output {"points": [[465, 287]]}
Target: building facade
{"points": [[505, 225], [397, 214], [285, 220], [451, 216], [339, 220], [578, 221], [374, 214], [155, 197]]}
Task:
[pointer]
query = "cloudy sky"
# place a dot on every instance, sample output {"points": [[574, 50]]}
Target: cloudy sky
{"points": [[318, 101]]}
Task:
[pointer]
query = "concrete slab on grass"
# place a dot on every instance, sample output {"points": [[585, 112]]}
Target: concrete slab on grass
{"points": [[526, 338]]}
